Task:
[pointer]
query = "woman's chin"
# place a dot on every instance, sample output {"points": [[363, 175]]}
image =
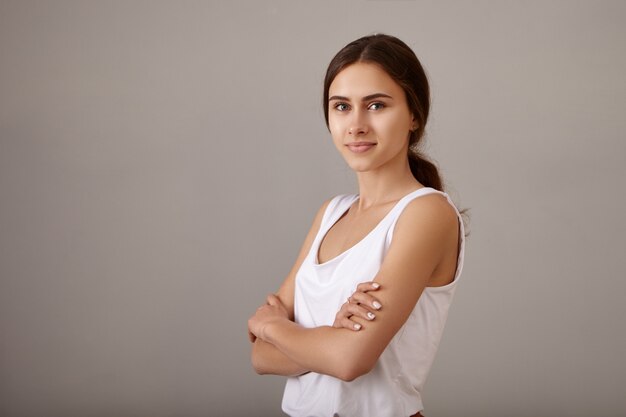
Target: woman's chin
{"points": [[359, 166]]}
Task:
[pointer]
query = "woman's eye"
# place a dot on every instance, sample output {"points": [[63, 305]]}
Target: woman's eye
{"points": [[376, 106], [341, 106]]}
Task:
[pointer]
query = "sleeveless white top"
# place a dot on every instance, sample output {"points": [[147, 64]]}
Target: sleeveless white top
{"points": [[393, 387]]}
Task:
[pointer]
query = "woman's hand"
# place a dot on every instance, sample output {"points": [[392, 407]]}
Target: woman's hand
{"points": [[272, 311], [360, 304]]}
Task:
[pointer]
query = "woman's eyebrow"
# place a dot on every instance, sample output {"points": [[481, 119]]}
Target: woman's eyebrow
{"points": [[376, 95], [366, 98]]}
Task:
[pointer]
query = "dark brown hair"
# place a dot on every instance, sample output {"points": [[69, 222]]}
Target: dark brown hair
{"points": [[400, 62]]}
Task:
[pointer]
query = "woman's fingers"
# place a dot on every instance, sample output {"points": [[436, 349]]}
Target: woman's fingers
{"points": [[366, 300], [359, 311], [367, 286], [349, 324], [355, 310], [360, 305], [348, 312]]}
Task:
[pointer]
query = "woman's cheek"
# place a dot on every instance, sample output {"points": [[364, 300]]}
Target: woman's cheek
{"points": [[335, 132]]}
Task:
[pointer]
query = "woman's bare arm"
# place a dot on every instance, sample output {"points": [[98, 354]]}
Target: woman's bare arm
{"points": [[427, 229], [266, 359]]}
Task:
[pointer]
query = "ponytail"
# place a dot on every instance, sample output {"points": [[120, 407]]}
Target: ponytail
{"points": [[424, 170]]}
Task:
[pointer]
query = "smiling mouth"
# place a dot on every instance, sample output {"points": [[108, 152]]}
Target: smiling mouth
{"points": [[360, 147]]}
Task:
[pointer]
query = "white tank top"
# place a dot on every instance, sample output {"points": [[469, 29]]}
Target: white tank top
{"points": [[393, 387]]}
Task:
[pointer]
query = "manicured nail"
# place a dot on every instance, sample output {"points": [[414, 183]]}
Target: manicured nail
{"points": [[376, 285], [370, 315], [376, 305], [357, 326]]}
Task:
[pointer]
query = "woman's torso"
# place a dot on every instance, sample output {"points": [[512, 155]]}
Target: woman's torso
{"points": [[393, 387]]}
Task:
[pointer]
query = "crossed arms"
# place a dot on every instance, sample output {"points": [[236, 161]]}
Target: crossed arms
{"points": [[424, 234]]}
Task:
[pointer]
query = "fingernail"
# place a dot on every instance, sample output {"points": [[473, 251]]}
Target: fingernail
{"points": [[357, 327], [376, 305], [376, 285], [370, 315]]}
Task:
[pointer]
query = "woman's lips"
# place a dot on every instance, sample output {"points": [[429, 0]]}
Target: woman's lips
{"points": [[360, 147]]}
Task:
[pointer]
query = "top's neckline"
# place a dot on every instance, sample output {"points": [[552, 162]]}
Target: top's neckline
{"points": [[371, 232]]}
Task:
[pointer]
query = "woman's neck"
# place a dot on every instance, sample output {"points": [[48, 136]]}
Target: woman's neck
{"points": [[386, 185]]}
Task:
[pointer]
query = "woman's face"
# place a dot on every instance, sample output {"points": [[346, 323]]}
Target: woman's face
{"points": [[368, 117]]}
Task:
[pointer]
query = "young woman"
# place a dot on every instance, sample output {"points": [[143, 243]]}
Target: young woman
{"points": [[356, 323]]}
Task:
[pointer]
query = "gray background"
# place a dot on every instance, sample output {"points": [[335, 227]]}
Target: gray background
{"points": [[161, 162]]}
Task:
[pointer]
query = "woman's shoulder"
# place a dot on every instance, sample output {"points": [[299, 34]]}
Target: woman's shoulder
{"points": [[432, 204], [430, 212]]}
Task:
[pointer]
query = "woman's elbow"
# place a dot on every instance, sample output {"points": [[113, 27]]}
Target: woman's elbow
{"points": [[257, 362], [258, 366], [351, 370], [260, 371], [255, 365]]}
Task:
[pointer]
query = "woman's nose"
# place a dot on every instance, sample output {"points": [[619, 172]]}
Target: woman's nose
{"points": [[358, 126]]}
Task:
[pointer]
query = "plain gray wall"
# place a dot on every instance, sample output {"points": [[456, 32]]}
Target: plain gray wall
{"points": [[161, 162]]}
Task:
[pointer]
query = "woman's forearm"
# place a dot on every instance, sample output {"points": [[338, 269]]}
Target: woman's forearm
{"points": [[332, 351], [267, 359]]}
